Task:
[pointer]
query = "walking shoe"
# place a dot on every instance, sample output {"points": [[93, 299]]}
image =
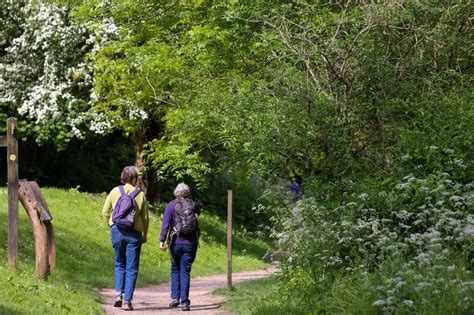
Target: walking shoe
{"points": [[185, 307], [118, 300], [174, 303], [127, 306]]}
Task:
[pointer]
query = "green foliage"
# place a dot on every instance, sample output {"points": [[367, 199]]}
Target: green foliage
{"points": [[332, 90], [316, 87]]}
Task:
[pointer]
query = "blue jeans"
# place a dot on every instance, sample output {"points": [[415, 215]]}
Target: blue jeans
{"points": [[127, 245], [182, 257]]}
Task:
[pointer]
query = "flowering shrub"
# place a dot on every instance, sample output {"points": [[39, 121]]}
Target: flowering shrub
{"points": [[44, 76], [425, 224], [432, 280]]}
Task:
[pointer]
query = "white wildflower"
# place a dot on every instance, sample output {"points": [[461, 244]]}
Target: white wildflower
{"points": [[379, 303], [408, 303]]}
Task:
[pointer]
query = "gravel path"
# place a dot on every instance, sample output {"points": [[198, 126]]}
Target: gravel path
{"points": [[154, 299]]}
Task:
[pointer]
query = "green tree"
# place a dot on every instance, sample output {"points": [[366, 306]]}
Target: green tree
{"points": [[335, 87], [322, 88]]}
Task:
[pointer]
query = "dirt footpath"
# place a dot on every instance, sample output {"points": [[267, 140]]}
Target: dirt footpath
{"points": [[155, 299]]}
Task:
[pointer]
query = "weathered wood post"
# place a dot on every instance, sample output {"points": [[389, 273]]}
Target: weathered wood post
{"points": [[229, 239], [40, 217], [12, 160], [35, 205]]}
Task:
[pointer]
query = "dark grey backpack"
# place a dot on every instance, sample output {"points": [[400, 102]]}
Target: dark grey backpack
{"points": [[186, 223]]}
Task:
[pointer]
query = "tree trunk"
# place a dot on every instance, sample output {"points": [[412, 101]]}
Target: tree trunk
{"points": [[148, 182]]}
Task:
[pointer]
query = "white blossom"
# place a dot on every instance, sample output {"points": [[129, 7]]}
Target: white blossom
{"points": [[43, 76]]}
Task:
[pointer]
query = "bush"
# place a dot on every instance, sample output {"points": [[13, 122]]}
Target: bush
{"points": [[413, 237]]}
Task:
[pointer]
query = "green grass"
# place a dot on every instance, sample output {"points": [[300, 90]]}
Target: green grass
{"points": [[85, 256], [262, 297]]}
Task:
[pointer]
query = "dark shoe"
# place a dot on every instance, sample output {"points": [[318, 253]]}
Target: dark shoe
{"points": [[127, 306], [185, 307], [174, 303], [118, 300]]}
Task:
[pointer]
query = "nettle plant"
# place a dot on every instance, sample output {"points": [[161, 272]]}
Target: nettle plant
{"points": [[44, 75], [424, 223]]}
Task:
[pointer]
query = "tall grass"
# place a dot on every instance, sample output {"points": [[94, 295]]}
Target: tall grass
{"points": [[85, 256]]}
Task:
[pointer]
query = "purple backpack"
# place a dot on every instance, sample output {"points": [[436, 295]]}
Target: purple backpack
{"points": [[124, 211]]}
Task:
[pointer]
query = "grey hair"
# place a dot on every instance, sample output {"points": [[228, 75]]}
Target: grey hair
{"points": [[182, 190]]}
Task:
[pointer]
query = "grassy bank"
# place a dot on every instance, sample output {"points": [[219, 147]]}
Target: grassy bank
{"points": [[257, 297], [353, 294], [85, 257]]}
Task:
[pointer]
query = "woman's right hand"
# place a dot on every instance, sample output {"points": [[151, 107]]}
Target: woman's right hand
{"points": [[163, 246]]}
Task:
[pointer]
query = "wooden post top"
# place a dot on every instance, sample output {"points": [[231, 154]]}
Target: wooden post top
{"points": [[32, 192]]}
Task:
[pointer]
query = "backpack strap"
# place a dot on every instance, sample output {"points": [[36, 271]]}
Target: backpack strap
{"points": [[122, 190], [135, 192]]}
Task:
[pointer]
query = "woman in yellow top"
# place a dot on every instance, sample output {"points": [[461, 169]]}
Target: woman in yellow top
{"points": [[127, 242]]}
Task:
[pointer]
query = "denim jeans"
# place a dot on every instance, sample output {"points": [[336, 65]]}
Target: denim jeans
{"points": [[127, 245], [182, 257]]}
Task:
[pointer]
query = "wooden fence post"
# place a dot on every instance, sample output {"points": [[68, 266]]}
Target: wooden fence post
{"points": [[229, 239], [12, 158]]}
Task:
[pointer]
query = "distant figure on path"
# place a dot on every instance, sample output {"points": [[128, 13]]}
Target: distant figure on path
{"points": [[295, 186], [181, 232], [127, 238]]}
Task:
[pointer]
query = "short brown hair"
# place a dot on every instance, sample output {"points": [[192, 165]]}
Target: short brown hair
{"points": [[129, 175]]}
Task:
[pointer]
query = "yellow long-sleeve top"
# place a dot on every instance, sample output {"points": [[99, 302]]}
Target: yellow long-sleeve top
{"points": [[142, 218]]}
